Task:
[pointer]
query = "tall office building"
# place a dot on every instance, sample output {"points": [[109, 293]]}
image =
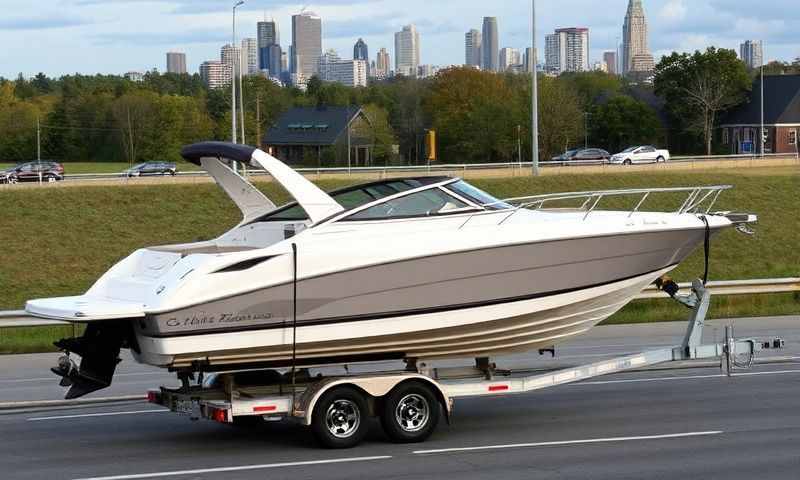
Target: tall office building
{"points": [[406, 51], [383, 64], [268, 35], [215, 74], [273, 56], [232, 56], [490, 49], [472, 48], [508, 58], [361, 50], [531, 57], [567, 50], [249, 56], [636, 57], [752, 53], [176, 62], [610, 59], [306, 46], [352, 73]]}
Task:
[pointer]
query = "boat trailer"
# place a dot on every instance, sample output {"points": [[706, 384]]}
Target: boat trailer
{"points": [[407, 401]]}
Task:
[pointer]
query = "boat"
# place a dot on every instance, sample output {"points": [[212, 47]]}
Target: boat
{"points": [[420, 268]]}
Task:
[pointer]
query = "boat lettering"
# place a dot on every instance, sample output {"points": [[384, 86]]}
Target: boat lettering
{"points": [[223, 318]]}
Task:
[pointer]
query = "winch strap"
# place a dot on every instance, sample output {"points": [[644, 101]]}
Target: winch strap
{"points": [[706, 248]]}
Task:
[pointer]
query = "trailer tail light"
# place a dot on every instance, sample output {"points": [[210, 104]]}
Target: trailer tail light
{"points": [[154, 396], [265, 409], [498, 388], [219, 415]]}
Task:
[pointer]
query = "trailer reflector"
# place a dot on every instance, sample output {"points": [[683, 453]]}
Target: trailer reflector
{"points": [[153, 396], [498, 388], [266, 408], [219, 415]]}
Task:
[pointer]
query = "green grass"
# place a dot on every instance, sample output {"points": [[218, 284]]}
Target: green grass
{"points": [[73, 168], [63, 248]]}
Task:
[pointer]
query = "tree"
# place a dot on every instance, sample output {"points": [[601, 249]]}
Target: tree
{"points": [[624, 121], [698, 87], [381, 132], [560, 117]]}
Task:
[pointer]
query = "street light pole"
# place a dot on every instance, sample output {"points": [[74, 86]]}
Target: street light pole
{"points": [[762, 103], [534, 97], [233, 80], [585, 129]]}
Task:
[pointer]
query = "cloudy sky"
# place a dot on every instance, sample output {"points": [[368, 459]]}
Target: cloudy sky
{"points": [[116, 36]]}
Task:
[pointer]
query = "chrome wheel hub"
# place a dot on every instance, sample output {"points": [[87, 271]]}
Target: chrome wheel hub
{"points": [[343, 418], [412, 413]]}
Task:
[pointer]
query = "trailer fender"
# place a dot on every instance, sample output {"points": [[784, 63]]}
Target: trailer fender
{"points": [[375, 386]]}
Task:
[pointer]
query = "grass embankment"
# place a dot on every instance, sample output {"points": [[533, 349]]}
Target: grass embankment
{"points": [[74, 168], [57, 242]]}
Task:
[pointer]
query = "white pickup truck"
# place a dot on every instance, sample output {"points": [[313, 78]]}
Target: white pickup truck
{"points": [[640, 154]]}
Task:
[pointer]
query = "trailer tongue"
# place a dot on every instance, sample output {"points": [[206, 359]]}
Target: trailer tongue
{"points": [[409, 403]]}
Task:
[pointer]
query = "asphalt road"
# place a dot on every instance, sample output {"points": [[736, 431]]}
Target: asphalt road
{"points": [[690, 423]]}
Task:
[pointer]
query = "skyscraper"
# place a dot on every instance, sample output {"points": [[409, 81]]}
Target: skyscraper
{"points": [[472, 48], [531, 57], [249, 56], [361, 50], [610, 59], [567, 50], [176, 62], [383, 64], [268, 35], [508, 58], [636, 57], [306, 46], [752, 53], [406, 51], [215, 74], [232, 57], [490, 49]]}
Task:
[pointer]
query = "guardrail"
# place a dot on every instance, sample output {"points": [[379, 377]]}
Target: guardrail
{"points": [[449, 168]]}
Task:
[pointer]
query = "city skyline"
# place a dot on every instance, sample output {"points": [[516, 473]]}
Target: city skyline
{"points": [[90, 47]]}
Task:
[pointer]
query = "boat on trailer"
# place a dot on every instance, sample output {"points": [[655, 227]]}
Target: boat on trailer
{"points": [[409, 268]]}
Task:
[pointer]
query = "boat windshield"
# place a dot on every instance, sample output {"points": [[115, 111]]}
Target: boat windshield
{"points": [[478, 196], [351, 197]]}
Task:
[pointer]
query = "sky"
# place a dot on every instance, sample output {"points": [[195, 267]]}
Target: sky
{"points": [[60, 37]]}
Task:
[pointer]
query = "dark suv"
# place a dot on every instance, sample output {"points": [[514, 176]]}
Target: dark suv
{"points": [[33, 172], [151, 168]]}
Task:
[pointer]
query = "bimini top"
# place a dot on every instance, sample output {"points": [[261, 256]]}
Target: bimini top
{"points": [[215, 157]]}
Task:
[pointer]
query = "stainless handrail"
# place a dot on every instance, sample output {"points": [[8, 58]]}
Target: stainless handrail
{"points": [[699, 199]]}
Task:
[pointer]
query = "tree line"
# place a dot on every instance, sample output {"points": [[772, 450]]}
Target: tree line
{"points": [[479, 116]]}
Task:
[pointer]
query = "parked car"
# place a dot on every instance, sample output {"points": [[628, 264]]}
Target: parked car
{"points": [[640, 154], [151, 168], [583, 156], [45, 171]]}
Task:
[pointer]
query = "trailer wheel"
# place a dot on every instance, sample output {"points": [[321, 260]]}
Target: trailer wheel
{"points": [[410, 413], [339, 419]]}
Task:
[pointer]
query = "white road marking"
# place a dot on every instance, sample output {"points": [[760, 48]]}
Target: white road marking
{"points": [[684, 377], [107, 414], [569, 442], [239, 469]]}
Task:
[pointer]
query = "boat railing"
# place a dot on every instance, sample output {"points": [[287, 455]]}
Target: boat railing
{"points": [[699, 200]]}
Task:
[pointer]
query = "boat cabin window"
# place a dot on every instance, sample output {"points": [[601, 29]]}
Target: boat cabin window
{"points": [[421, 204]]}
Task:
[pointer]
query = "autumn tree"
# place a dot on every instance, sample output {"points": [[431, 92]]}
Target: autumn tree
{"points": [[698, 87]]}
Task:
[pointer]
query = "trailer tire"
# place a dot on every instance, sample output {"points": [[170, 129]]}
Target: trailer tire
{"points": [[410, 413], [340, 418]]}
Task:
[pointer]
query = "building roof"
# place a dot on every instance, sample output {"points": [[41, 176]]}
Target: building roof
{"points": [[317, 126], [781, 103]]}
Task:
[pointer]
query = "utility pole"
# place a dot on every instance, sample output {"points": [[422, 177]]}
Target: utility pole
{"points": [[534, 97], [585, 129], [241, 94], [519, 144]]}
